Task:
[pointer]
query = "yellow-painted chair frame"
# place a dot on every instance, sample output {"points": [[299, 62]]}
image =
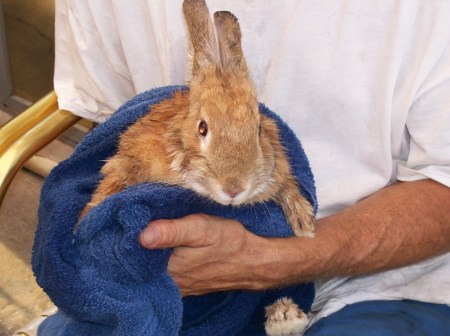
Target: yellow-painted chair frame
{"points": [[29, 132]]}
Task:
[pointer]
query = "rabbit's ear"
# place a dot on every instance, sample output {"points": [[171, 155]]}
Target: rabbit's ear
{"points": [[202, 36], [229, 36]]}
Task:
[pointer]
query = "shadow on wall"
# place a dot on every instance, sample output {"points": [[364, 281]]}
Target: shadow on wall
{"points": [[29, 26]]}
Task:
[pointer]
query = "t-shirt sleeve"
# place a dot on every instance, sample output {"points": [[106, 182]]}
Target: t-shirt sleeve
{"points": [[428, 126]]}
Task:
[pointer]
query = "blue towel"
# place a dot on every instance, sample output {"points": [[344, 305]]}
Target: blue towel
{"points": [[104, 283]]}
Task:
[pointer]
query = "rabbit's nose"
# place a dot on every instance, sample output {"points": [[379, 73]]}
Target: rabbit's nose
{"points": [[233, 187]]}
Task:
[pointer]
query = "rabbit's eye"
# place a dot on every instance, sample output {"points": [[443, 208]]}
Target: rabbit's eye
{"points": [[259, 130], [203, 128]]}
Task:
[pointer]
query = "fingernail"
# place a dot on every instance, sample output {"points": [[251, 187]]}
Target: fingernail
{"points": [[149, 237]]}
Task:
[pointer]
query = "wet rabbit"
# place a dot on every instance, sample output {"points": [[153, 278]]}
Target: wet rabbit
{"points": [[212, 139]]}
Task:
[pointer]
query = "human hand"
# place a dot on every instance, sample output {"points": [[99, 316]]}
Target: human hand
{"points": [[213, 254]]}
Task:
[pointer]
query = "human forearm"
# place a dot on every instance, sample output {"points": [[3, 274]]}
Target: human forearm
{"points": [[399, 225]]}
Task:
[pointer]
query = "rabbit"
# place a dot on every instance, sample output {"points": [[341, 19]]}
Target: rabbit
{"points": [[211, 139], [284, 317]]}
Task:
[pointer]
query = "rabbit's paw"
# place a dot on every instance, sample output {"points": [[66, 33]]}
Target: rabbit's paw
{"points": [[284, 318], [301, 218], [298, 210]]}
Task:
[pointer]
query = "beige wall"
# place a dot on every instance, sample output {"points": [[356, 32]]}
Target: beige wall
{"points": [[29, 26]]}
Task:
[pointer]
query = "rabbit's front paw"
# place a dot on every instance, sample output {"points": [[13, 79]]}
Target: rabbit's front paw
{"points": [[298, 210], [284, 318], [300, 215], [301, 219]]}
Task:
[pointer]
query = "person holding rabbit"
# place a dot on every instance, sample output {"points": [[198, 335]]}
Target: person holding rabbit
{"points": [[375, 122], [365, 86]]}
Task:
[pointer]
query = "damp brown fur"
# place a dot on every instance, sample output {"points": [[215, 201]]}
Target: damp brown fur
{"points": [[239, 161]]}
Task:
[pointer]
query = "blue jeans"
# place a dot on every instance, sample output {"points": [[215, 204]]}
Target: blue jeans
{"points": [[372, 318], [386, 318]]}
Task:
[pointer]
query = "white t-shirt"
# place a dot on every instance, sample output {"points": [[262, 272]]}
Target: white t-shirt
{"points": [[364, 84]]}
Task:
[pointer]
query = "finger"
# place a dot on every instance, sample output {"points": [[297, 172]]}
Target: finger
{"points": [[191, 231]]}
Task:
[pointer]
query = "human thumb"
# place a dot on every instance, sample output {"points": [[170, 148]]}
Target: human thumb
{"points": [[165, 233]]}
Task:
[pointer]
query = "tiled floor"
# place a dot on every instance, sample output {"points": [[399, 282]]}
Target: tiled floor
{"points": [[29, 29], [21, 299]]}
